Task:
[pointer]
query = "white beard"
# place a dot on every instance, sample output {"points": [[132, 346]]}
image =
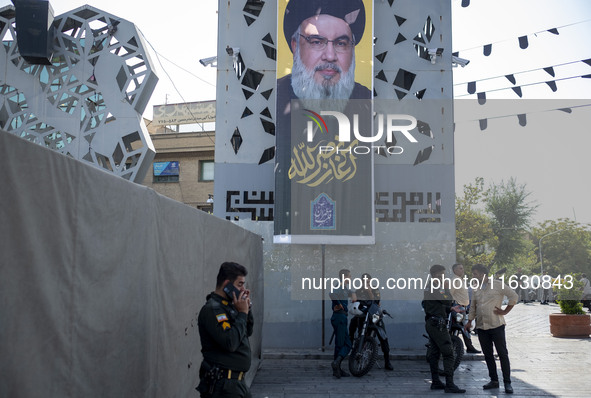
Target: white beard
{"points": [[327, 95]]}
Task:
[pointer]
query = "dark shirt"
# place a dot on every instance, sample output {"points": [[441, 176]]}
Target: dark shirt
{"points": [[437, 303], [368, 295], [224, 334]]}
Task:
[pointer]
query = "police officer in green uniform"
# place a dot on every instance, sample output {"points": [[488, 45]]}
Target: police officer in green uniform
{"points": [[225, 323], [437, 304]]}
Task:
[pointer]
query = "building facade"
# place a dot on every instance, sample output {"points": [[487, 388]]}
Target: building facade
{"points": [[183, 167], [413, 192]]}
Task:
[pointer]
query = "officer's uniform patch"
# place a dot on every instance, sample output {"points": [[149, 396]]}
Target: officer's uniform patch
{"points": [[221, 317], [226, 325]]}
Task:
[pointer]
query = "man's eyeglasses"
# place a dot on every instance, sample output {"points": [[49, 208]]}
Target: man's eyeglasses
{"points": [[341, 45]]}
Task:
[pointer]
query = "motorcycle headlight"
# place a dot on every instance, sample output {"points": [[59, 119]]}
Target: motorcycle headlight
{"points": [[459, 317], [375, 318]]}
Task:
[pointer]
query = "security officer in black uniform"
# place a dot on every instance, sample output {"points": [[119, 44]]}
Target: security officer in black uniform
{"points": [[437, 304], [225, 323]]}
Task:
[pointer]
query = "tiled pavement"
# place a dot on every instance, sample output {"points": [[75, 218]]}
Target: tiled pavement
{"points": [[542, 366]]}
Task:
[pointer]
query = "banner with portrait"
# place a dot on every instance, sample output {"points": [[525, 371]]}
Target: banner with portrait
{"points": [[324, 125]]}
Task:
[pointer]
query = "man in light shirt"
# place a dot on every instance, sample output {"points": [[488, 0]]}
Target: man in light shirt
{"points": [[486, 305], [459, 292]]}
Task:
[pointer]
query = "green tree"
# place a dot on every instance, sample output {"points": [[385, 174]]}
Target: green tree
{"points": [[511, 213], [566, 246], [475, 239]]}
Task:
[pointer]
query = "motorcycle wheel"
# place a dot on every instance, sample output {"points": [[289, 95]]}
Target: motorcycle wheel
{"points": [[458, 346], [362, 359]]}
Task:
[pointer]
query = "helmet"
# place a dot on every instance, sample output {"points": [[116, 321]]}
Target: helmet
{"points": [[354, 310]]}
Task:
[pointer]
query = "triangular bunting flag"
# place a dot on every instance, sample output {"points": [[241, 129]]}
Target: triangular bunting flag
{"points": [[523, 43], [517, 90], [550, 71], [566, 110], [586, 76], [554, 31], [487, 50], [481, 98], [552, 85], [483, 124], [522, 119], [587, 61], [471, 87], [465, 3], [511, 78]]}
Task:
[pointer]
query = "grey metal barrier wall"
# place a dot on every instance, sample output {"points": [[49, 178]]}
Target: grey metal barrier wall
{"points": [[101, 280]]}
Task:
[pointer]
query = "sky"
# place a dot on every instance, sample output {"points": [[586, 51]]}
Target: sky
{"points": [[549, 154]]}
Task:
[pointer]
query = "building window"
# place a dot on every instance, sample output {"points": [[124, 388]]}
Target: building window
{"points": [[206, 170], [166, 171]]}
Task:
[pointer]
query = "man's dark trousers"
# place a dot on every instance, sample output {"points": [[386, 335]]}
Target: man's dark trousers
{"points": [[342, 345], [441, 346], [495, 336]]}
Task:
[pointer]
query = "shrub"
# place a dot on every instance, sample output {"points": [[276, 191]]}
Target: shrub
{"points": [[569, 296]]}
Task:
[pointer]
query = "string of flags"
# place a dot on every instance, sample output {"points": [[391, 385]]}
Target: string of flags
{"points": [[511, 77], [523, 41], [517, 89], [521, 117]]}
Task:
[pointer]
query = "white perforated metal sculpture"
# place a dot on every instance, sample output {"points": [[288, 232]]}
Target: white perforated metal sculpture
{"points": [[88, 103]]}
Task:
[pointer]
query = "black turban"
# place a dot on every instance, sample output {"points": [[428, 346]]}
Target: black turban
{"points": [[351, 11]]}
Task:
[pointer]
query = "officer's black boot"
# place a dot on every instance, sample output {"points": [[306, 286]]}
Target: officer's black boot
{"points": [[436, 383], [450, 387], [336, 367], [387, 363], [386, 351], [343, 373]]}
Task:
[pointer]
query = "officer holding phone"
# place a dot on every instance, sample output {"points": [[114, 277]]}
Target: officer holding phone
{"points": [[225, 323]]}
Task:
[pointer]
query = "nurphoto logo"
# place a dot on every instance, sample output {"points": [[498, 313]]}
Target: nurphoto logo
{"points": [[386, 124]]}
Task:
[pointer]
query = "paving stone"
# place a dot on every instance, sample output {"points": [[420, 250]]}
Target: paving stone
{"points": [[541, 366]]}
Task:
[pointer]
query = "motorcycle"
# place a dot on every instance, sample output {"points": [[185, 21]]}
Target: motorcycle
{"points": [[455, 327], [364, 352]]}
